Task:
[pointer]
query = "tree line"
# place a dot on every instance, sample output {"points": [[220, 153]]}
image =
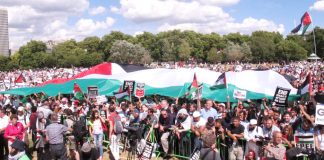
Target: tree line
{"points": [[175, 45]]}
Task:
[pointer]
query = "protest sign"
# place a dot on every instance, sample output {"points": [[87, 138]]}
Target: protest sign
{"points": [[319, 117], [92, 91], [101, 99], [140, 91], [239, 94], [130, 85], [305, 142], [281, 96], [198, 93], [148, 150]]}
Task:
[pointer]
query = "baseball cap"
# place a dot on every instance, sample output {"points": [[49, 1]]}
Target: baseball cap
{"points": [[196, 114], [253, 122]]}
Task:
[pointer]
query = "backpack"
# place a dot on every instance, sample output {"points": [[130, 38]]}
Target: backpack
{"points": [[79, 129], [118, 126]]}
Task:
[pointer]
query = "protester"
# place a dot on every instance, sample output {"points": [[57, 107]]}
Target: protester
{"points": [[15, 130], [252, 134], [4, 121], [235, 132], [96, 130], [17, 151], [114, 134], [275, 149], [54, 136]]}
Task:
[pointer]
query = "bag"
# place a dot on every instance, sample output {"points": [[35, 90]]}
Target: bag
{"points": [[118, 126], [104, 127], [79, 129]]}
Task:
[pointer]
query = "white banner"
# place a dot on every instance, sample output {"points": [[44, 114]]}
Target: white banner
{"points": [[319, 117], [239, 94]]}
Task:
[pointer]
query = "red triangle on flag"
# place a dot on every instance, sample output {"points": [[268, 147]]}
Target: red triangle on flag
{"points": [[19, 79], [307, 19], [194, 82], [77, 88]]}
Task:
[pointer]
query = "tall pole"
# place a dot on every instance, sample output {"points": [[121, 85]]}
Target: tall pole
{"points": [[314, 39]]}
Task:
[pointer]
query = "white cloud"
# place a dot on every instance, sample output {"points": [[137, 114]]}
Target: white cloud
{"points": [[172, 11], [318, 6], [219, 2], [199, 15], [247, 26], [42, 19], [97, 10], [88, 26]]}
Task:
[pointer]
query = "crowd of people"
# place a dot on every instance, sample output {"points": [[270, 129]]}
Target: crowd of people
{"points": [[63, 127]]}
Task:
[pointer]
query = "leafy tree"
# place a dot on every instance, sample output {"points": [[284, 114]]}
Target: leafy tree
{"points": [[237, 38], [125, 52], [214, 56], [184, 50], [108, 41], [91, 44], [290, 50]]}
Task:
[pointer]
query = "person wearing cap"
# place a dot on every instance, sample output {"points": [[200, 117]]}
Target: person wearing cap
{"points": [[54, 136], [17, 151], [197, 125], [183, 122], [251, 134]]}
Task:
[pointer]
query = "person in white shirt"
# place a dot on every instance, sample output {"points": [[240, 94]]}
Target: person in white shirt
{"points": [[198, 124], [269, 128], [4, 121], [251, 134], [183, 122]]}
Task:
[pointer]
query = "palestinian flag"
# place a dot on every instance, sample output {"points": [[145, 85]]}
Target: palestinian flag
{"points": [[304, 139], [192, 89], [307, 86], [20, 79], [77, 92], [220, 82], [122, 93], [305, 21]]}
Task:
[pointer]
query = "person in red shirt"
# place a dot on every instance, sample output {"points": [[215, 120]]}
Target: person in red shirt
{"points": [[113, 137], [15, 130]]}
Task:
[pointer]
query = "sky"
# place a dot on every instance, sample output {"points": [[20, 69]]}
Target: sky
{"points": [[61, 20]]}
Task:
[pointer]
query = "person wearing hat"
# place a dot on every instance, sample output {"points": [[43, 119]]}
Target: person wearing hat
{"points": [[17, 151], [183, 122], [251, 134], [197, 125]]}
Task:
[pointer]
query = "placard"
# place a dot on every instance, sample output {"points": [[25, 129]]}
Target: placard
{"points": [[140, 91], [198, 93], [148, 151], [319, 117], [281, 96], [239, 94], [92, 91], [305, 142], [101, 99], [130, 84]]}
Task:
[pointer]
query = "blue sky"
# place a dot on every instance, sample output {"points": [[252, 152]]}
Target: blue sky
{"points": [[60, 20]]}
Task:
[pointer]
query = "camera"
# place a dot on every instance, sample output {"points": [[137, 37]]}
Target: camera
{"points": [[263, 141]]}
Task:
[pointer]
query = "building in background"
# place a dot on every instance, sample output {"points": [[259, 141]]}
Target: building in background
{"points": [[4, 36]]}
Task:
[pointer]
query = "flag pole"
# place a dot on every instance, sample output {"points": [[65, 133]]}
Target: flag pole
{"points": [[314, 39]]}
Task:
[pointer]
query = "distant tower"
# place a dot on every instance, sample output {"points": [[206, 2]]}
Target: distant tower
{"points": [[4, 36]]}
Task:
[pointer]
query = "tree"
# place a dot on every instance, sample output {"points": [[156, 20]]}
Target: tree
{"points": [[263, 45], [125, 52], [214, 56], [184, 51], [290, 50], [91, 45], [237, 38], [233, 52], [109, 40], [30, 53]]}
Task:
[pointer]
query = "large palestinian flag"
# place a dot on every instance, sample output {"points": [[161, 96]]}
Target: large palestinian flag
{"points": [[175, 83]]}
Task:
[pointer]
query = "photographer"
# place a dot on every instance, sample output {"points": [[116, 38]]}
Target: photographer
{"points": [[275, 150]]}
